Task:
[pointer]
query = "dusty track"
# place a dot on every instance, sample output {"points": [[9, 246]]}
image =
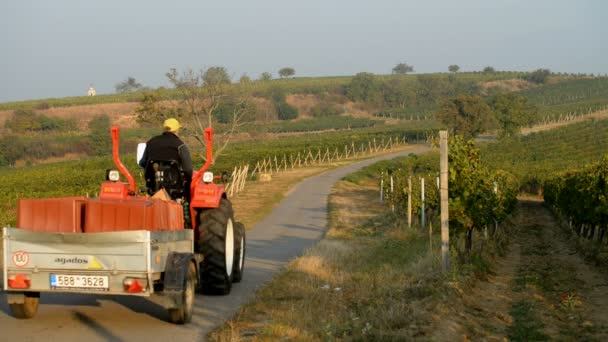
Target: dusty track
{"points": [[541, 290]]}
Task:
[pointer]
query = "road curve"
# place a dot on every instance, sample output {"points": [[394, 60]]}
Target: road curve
{"points": [[295, 225]]}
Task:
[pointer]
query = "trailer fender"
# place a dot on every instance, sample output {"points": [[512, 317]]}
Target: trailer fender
{"points": [[15, 297], [176, 271]]}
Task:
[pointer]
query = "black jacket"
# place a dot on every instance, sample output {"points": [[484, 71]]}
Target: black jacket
{"points": [[168, 146]]}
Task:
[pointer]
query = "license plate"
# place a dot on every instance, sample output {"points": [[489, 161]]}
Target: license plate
{"points": [[73, 281]]}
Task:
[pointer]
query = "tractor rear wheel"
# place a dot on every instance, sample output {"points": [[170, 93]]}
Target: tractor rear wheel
{"points": [[28, 308], [216, 243], [239, 252]]}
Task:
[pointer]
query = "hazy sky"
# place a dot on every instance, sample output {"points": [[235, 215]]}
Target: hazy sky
{"points": [[57, 48]]}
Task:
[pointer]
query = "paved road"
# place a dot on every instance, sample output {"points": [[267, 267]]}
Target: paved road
{"points": [[295, 225]]}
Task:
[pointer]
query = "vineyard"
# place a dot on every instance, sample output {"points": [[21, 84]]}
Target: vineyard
{"points": [[569, 98], [581, 199], [535, 157], [479, 198]]}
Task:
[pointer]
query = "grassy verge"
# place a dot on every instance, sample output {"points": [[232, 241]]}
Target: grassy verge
{"points": [[369, 279]]}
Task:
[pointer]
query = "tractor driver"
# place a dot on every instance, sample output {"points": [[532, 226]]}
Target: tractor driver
{"points": [[168, 146]]}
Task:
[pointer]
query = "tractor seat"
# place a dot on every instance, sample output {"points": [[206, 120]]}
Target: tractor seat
{"points": [[165, 174]]}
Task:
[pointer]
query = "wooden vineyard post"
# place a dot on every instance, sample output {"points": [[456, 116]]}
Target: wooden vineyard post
{"points": [[422, 213], [392, 190], [443, 192], [381, 187], [409, 202]]}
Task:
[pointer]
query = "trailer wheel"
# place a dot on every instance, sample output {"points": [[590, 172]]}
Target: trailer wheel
{"points": [[216, 243], [183, 314], [239, 252], [28, 308]]}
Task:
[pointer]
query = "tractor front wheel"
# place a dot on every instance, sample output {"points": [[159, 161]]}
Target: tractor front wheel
{"points": [[216, 243]]}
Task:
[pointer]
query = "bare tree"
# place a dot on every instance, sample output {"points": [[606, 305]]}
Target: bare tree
{"points": [[199, 101]]}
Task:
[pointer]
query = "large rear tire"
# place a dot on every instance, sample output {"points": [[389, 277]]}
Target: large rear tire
{"points": [[183, 314], [216, 243], [28, 308], [239, 252]]}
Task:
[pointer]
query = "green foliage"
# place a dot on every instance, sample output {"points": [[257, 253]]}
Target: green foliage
{"points": [[399, 92], [287, 72], [539, 76], [581, 196], [488, 70], [325, 108], [403, 68], [536, 157], [286, 111], [265, 76], [319, 124], [128, 86], [466, 115], [225, 111], [245, 79], [151, 110], [215, 75], [453, 68], [363, 87], [99, 135], [571, 97], [513, 112], [26, 121], [478, 197]]}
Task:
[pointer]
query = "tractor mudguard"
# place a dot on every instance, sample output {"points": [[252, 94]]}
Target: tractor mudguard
{"points": [[176, 270], [207, 195]]}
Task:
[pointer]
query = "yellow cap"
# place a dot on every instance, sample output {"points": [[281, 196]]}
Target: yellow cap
{"points": [[171, 125]]}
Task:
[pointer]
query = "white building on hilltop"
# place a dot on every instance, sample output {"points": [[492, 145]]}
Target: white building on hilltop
{"points": [[91, 91]]}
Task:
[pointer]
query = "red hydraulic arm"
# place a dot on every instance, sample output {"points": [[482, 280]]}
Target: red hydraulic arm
{"points": [[209, 143], [115, 135]]}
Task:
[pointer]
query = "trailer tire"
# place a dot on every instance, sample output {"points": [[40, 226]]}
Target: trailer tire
{"points": [[216, 243], [28, 308], [239, 252], [183, 314]]}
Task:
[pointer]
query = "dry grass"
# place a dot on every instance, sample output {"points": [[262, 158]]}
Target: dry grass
{"points": [[506, 86], [367, 280], [538, 128]]}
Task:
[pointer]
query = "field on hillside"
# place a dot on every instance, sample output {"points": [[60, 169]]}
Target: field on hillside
{"points": [[538, 156], [83, 177], [569, 98]]}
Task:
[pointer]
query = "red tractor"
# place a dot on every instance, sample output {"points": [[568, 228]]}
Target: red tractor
{"points": [[122, 243]]}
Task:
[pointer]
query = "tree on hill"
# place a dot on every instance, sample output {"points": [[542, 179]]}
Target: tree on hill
{"points": [[489, 70], [363, 87], [265, 76], [287, 72], [215, 75], [128, 86], [513, 112], [453, 68], [402, 68], [245, 79], [200, 96], [466, 115], [539, 76]]}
